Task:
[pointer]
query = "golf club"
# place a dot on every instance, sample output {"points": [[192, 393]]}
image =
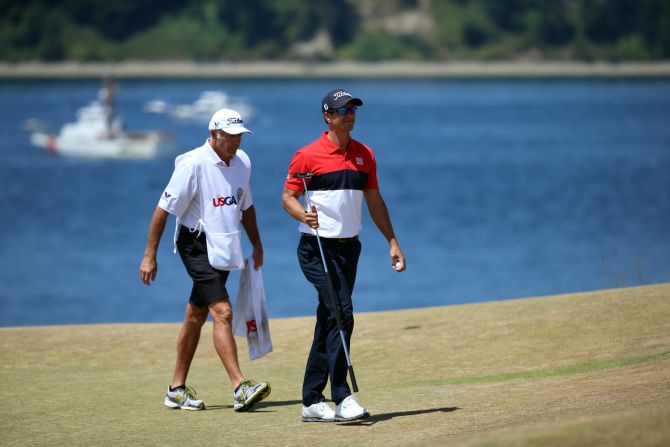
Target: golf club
{"points": [[331, 289]]}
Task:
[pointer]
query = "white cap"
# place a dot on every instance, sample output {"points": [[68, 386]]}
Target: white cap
{"points": [[228, 121]]}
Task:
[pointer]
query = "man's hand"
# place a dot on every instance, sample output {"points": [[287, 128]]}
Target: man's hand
{"points": [[292, 205], [311, 218], [380, 216], [397, 259], [250, 226], [148, 269], [257, 256]]}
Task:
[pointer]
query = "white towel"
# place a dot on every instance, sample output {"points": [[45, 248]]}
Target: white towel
{"points": [[250, 318]]}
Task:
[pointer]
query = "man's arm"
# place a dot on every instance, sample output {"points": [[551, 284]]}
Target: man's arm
{"points": [[380, 216], [149, 267], [290, 200], [251, 228]]}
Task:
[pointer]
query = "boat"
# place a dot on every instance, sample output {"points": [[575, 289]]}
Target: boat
{"points": [[202, 108], [91, 136]]}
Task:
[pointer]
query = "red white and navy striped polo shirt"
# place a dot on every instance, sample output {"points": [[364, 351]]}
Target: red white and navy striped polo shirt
{"points": [[336, 189]]}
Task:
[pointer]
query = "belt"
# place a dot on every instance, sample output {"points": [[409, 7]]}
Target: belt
{"points": [[334, 239]]}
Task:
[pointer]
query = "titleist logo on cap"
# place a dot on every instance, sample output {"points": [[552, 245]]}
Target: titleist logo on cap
{"points": [[229, 122], [340, 94]]}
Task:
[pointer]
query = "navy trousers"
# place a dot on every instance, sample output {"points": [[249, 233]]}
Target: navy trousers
{"points": [[326, 357]]}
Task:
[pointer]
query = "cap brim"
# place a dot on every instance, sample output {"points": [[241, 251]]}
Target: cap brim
{"points": [[236, 130], [341, 102]]}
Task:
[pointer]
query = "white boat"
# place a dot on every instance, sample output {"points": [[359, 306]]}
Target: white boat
{"points": [[157, 106], [91, 137], [202, 108]]}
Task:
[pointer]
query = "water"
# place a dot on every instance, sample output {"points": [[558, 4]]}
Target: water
{"points": [[498, 189]]}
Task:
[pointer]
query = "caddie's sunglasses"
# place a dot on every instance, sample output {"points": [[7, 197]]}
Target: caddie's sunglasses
{"points": [[344, 110]]}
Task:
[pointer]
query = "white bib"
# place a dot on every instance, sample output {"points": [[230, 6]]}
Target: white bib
{"points": [[222, 194]]}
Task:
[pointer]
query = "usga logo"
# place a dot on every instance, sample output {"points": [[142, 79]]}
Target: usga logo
{"points": [[222, 201]]}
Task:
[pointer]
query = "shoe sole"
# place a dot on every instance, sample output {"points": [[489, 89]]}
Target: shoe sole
{"points": [[258, 396], [194, 408], [355, 418], [175, 406], [306, 419]]}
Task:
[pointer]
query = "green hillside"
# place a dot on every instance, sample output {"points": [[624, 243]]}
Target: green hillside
{"points": [[364, 30]]}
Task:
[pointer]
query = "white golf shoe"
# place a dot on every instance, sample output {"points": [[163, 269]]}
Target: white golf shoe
{"points": [[320, 412], [350, 410]]}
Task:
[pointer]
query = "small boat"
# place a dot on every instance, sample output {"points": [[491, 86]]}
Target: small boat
{"points": [[157, 106], [202, 108], [92, 136]]}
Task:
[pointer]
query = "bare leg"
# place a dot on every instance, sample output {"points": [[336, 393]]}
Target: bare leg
{"points": [[187, 342], [224, 342]]}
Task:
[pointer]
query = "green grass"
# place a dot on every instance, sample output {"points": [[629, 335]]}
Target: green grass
{"points": [[571, 369], [580, 369]]}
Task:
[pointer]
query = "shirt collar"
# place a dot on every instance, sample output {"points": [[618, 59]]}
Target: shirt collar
{"points": [[331, 147], [212, 155]]}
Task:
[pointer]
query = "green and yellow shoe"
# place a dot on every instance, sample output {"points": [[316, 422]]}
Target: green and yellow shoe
{"points": [[184, 398], [249, 393]]}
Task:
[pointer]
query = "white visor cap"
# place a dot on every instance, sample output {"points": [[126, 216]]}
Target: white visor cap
{"points": [[228, 121]]}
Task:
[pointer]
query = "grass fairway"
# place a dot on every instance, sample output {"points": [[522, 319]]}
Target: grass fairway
{"points": [[583, 369]]}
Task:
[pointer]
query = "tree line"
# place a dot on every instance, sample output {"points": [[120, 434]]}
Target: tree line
{"points": [[212, 30]]}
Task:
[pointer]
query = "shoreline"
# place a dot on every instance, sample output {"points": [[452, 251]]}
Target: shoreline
{"points": [[326, 70]]}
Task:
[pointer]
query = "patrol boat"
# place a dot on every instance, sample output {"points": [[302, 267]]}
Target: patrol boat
{"points": [[91, 136]]}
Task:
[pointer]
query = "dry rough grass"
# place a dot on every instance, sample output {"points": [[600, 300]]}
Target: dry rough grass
{"points": [[581, 369]]}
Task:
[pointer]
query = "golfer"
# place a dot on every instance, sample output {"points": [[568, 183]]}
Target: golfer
{"points": [[209, 194], [344, 172]]}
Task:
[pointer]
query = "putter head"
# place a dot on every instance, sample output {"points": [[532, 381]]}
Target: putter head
{"points": [[303, 174]]}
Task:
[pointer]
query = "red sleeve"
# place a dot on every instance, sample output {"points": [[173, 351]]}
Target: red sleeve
{"points": [[298, 164]]}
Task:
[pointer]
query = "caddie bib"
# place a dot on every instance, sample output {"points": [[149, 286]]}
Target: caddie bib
{"points": [[223, 193]]}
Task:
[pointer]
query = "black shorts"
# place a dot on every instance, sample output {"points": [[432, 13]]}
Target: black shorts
{"points": [[209, 284]]}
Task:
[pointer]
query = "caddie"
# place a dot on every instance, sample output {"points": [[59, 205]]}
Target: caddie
{"points": [[209, 194]]}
